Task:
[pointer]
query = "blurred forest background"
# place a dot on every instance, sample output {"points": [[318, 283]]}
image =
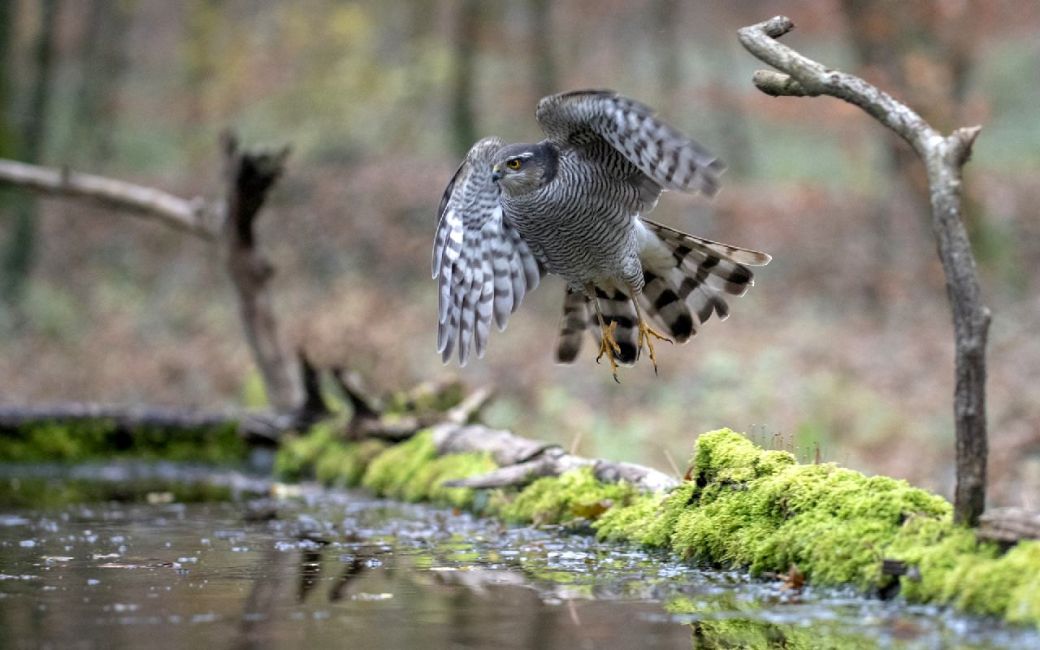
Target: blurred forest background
{"points": [[845, 342]]}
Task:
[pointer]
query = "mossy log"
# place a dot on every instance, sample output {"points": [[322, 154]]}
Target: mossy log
{"points": [[739, 506]]}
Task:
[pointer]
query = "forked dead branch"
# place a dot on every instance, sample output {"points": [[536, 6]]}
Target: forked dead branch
{"points": [[944, 157], [249, 175]]}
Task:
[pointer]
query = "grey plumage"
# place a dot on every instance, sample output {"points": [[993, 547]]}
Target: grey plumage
{"points": [[572, 205]]}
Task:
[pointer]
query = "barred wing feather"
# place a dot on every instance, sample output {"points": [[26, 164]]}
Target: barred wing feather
{"points": [[483, 265], [666, 156]]}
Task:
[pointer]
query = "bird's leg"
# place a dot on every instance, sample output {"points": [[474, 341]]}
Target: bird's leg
{"points": [[608, 345], [647, 334]]}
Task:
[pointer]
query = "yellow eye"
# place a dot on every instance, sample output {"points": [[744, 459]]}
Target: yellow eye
{"points": [[513, 164]]}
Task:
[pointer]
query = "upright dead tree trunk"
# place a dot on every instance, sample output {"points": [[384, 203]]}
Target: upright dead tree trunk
{"points": [[943, 158], [250, 175]]}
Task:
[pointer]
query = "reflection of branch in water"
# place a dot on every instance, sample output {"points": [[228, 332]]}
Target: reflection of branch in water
{"points": [[572, 609], [310, 571], [257, 618], [350, 573]]}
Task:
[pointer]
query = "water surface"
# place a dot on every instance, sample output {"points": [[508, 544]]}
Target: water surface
{"points": [[169, 556]]}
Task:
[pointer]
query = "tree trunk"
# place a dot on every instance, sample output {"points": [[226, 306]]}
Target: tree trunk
{"points": [[7, 15]]}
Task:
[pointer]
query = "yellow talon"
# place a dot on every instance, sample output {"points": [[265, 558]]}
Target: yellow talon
{"points": [[646, 335], [608, 345]]}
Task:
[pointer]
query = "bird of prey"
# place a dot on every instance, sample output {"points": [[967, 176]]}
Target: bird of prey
{"points": [[574, 204]]}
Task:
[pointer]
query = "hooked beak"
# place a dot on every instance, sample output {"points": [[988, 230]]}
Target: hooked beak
{"points": [[496, 173]]}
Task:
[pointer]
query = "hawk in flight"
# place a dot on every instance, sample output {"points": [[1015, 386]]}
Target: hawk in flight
{"points": [[574, 205]]}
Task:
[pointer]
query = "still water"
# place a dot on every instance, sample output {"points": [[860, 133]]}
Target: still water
{"points": [[172, 556]]}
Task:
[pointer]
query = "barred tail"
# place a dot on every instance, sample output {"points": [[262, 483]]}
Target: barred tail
{"points": [[579, 314], [572, 326], [687, 278]]}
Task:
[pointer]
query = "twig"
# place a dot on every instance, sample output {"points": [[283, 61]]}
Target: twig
{"points": [[943, 157], [470, 406]]}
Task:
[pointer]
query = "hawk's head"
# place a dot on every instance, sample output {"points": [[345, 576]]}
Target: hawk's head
{"points": [[521, 168]]}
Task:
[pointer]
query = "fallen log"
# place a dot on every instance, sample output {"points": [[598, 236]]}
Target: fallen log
{"points": [[1009, 525], [258, 427]]}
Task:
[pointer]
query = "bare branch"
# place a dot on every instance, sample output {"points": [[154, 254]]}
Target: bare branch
{"points": [[196, 216], [250, 175], [1009, 525], [809, 78], [778, 84], [470, 407], [943, 157], [506, 448], [352, 386], [522, 461]]}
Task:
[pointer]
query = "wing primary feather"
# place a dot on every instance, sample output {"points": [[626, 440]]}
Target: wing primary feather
{"points": [[482, 264], [665, 155]]}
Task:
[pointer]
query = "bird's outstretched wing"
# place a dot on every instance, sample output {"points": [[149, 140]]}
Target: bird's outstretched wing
{"points": [[663, 154], [484, 266]]}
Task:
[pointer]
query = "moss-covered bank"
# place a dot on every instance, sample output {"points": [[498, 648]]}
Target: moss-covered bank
{"points": [[743, 507]]}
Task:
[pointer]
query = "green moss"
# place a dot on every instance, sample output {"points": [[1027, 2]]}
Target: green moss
{"points": [[410, 471], [102, 439], [427, 483], [298, 455], [1024, 602], [659, 532], [760, 509], [426, 398], [53, 441], [572, 495], [746, 507], [390, 472], [631, 521], [344, 464], [47, 494], [955, 569], [724, 456]]}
